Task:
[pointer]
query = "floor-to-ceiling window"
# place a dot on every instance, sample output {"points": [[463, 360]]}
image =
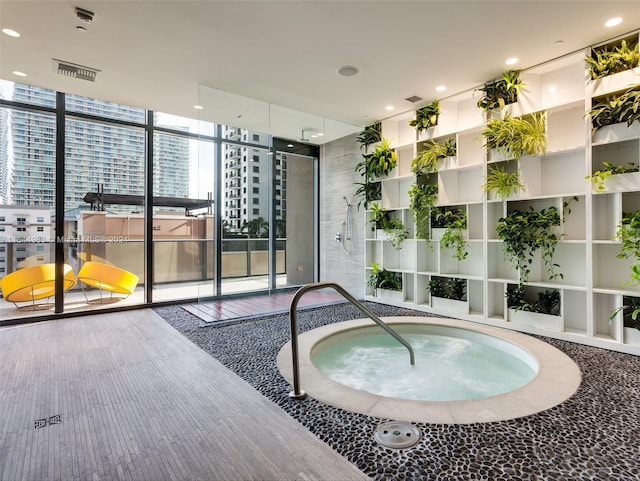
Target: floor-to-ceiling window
{"points": [[137, 191]]}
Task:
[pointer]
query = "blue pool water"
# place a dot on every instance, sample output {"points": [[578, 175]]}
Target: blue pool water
{"points": [[447, 367]]}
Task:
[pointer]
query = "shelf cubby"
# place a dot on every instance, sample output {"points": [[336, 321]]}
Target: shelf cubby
{"points": [[574, 311], [427, 254], [460, 185], [472, 265]]}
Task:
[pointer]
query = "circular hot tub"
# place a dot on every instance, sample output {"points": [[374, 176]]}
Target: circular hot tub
{"points": [[463, 373]]}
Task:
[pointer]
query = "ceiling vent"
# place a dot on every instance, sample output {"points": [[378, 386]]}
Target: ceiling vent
{"points": [[69, 69], [413, 99]]}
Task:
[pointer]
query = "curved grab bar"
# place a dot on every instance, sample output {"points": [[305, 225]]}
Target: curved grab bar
{"points": [[297, 393]]}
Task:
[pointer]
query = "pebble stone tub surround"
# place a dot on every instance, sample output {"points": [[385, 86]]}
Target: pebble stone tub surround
{"points": [[594, 435], [556, 380]]}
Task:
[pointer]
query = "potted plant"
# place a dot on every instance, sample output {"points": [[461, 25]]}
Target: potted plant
{"points": [[426, 117], [454, 236], [427, 160], [601, 177], [370, 135], [501, 92], [368, 192], [502, 183], [385, 283], [525, 232], [542, 311], [394, 230], [609, 60], [422, 198], [613, 115], [372, 167], [630, 320], [514, 137], [448, 294], [628, 233]]}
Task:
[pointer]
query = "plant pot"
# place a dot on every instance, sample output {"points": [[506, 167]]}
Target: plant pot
{"points": [[382, 235], [496, 155], [613, 83], [535, 319], [448, 163], [449, 305], [622, 182], [389, 295], [616, 133], [632, 336]]}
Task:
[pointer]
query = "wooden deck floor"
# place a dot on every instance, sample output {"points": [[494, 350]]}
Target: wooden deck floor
{"points": [[260, 305], [138, 401]]}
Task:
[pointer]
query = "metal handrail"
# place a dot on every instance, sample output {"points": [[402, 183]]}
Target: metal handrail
{"points": [[298, 393]]}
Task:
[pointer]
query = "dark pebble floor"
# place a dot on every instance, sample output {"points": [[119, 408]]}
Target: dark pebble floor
{"points": [[595, 435]]}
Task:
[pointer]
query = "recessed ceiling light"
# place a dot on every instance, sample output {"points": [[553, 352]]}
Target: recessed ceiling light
{"points": [[348, 70], [314, 136], [389, 107], [558, 42], [11, 33], [320, 134], [511, 61], [441, 88], [290, 145], [81, 29], [552, 88], [198, 107], [18, 73], [612, 22]]}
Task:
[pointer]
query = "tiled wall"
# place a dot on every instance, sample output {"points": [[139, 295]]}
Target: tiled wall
{"points": [[337, 177]]}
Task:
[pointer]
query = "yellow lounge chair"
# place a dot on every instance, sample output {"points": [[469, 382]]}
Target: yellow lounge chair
{"points": [[109, 278], [32, 283]]}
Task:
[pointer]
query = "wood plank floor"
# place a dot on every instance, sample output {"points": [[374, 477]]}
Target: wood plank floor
{"points": [[138, 401], [259, 305]]}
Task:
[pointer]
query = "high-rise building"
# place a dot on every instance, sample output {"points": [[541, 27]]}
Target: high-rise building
{"points": [[95, 153], [246, 170]]}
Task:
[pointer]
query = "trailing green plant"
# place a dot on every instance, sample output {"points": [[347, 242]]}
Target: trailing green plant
{"points": [[396, 230], [609, 60], [454, 236], [448, 288], [373, 166], [370, 135], [426, 117], [628, 233], [502, 91], [422, 198], [523, 233], [517, 136], [547, 302], [427, 160], [616, 108], [368, 192], [600, 176], [631, 311], [503, 183], [383, 279]]}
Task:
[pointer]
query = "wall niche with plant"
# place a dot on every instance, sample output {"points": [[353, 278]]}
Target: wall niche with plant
{"points": [[516, 192], [382, 279], [382, 220], [377, 162]]}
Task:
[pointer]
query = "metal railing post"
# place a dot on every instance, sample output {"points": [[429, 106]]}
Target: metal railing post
{"points": [[298, 393]]}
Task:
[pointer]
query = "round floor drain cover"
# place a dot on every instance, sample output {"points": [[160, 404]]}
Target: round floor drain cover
{"points": [[397, 434]]}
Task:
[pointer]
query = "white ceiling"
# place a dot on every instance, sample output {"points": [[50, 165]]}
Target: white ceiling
{"points": [[268, 61]]}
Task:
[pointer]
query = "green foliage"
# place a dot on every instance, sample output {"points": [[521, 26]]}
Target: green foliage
{"points": [[616, 108], [600, 176], [609, 60], [422, 198], [501, 92], [523, 233], [427, 161], [384, 279], [455, 235], [370, 135], [448, 288], [631, 310], [374, 166], [393, 227], [426, 117], [517, 136], [628, 233], [547, 302], [503, 183]]}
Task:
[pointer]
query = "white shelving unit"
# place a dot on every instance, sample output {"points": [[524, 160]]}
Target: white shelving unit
{"points": [[594, 278]]}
